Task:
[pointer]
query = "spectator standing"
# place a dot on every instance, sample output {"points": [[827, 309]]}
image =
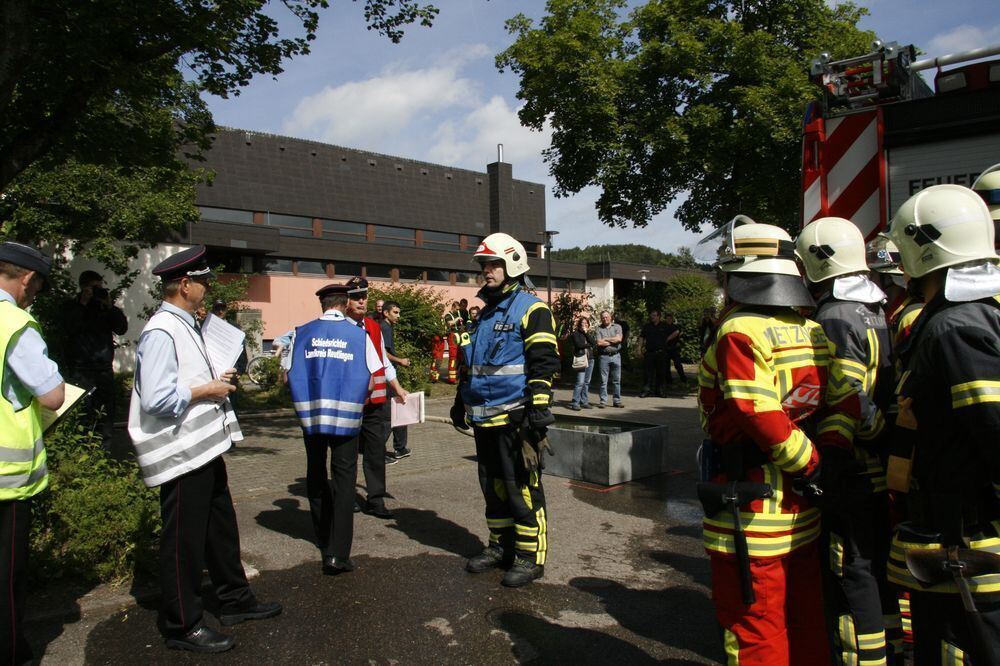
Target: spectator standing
{"points": [[584, 345], [473, 314], [609, 361], [90, 322], [624, 343], [30, 380], [654, 335], [390, 317], [673, 348], [329, 392], [463, 310], [180, 423]]}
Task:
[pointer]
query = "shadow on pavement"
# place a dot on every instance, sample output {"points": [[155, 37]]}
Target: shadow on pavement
{"points": [[291, 517], [428, 528], [661, 615], [697, 568]]}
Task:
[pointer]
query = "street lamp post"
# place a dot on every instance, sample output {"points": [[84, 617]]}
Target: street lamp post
{"points": [[643, 272], [548, 259]]}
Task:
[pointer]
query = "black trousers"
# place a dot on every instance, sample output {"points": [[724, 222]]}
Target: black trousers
{"points": [[15, 528], [515, 500], [100, 406], [399, 435], [940, 626], [673, 355], [374, 433], [863, 613], [199, 530], [332, 505], [654, 367]]}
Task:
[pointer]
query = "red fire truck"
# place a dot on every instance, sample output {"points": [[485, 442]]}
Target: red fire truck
{"points": [[880, 133]]}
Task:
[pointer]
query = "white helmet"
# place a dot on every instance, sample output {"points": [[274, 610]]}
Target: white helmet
{"points": [[987, 186], [759, 260], [830, 247], [942, 226], [882, 256], [505, 247]]}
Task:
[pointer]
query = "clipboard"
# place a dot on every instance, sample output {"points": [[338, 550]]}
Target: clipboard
{"points": [[410, 413], [74, 394]]}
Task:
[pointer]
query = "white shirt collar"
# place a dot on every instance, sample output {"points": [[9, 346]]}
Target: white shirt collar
{"points": [[333, 315]]}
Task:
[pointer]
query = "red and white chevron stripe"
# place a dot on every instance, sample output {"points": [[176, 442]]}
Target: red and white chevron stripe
{"points": [[843, 171]]}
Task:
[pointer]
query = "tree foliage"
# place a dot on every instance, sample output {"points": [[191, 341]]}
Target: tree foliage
{"points": [[103, 112], [630, 253], [421, 310], [684, 296], [702, 98]]}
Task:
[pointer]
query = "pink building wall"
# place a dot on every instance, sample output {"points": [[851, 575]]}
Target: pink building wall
{"points": [[287, 301]]}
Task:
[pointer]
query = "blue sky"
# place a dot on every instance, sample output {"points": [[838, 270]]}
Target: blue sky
{"points": [[437, 96]]}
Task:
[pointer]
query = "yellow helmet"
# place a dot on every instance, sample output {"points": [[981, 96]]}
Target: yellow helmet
{"points": [[505, 248], [942, 226], [830, 247]]}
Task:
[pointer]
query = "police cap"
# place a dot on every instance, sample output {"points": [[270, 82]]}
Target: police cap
{"points": [[332, 289], [192, 262], [357, 287], [25, 256]]}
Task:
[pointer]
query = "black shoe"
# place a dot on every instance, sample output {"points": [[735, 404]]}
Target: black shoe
{"points": [[522, 572], [259, 611], [601, 405], [587, 406], [402, 453], [202, 639], [390, 460], [492, 557], [379, 510], [618, 405], [333, 566], [575, 408]]}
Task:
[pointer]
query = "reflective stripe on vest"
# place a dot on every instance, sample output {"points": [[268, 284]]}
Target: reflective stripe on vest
{"points": [[482, 411], [490, 370], [168, 447], [23, 462]]}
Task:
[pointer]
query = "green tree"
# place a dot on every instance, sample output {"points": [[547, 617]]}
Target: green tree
{"points": [[702, 98], [631, 253], [684, 296], [103, 111], [421, 311]]}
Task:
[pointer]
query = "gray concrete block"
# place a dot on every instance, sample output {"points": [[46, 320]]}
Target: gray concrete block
{"points": [[604, 452]]}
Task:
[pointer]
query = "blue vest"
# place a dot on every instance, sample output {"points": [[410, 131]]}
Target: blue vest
{"points": [[494, 357], [329, 377]]}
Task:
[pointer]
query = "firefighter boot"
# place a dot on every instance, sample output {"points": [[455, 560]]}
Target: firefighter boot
{"points": [[522, 572], [492, 557]]}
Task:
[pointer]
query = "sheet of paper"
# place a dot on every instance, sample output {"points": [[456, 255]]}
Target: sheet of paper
{"points": [[74, 394], [409, 413], [223, 341]]}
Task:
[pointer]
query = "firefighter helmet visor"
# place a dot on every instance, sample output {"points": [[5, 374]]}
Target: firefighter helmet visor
{"points": [[723, 248]]}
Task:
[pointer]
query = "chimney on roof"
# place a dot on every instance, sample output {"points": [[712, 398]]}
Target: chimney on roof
{"points": [[501, 192]]}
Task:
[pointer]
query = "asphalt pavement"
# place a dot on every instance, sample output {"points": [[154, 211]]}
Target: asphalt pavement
{"points": [[627, 580]]}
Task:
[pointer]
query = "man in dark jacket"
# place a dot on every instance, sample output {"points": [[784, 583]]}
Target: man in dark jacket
{"points": [[90, 322]]}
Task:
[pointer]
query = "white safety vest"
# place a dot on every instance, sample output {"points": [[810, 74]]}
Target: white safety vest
{"points": [[166, 448]]}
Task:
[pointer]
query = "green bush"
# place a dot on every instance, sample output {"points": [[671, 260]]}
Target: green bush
{"points": [[97, 521], [421, 311]]}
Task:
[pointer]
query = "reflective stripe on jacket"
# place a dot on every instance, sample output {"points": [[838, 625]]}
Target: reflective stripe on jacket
{"points": [[23, 468], [166, 448], [764, 375], [329, 377]]}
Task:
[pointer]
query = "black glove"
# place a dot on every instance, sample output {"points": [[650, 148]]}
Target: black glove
{"points": [[539, 418], [457, 415]]}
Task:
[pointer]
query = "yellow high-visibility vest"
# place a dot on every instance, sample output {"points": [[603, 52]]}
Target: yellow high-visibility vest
{"points": [[23, 470]]}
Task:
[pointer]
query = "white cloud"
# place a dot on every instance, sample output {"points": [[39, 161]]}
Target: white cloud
{"points": [[364, 113], [963, 38]]}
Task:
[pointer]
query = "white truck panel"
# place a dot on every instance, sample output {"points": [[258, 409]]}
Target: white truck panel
{"points": [[958, 161]]}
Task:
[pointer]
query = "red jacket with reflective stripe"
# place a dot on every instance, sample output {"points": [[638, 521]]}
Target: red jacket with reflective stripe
{"points": [[378, 395]]}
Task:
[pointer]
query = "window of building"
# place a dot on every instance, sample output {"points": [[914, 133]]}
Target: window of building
{"points": [[226, 215], [438, 276], [378, 271], [539, 281], [273, 265], [472, 242], [353, 232], [411, 273], [311, 267], [395, 236], [531, 249], [438, 240], [467, 277], [559, 283], [346, 268], [577, 286], [230, 263], [291, 225]]}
